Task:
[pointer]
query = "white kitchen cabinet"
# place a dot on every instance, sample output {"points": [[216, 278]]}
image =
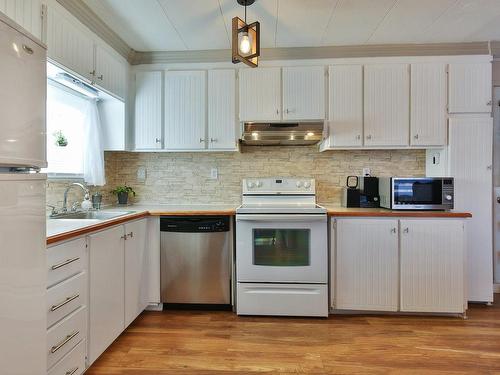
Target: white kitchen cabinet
{"points": [[26, 13], [386, 104], [110, 71], [345, 112], [303, 93], [136, 269], [432, 265], [470, 87], [470, 164], [148, 110], [428, 104], [367, 264], [222, 122], [106, 293], [260, 94], [185, 110]]}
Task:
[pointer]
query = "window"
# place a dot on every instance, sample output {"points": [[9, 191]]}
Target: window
{"points": [[65, 131], [281, 247]]}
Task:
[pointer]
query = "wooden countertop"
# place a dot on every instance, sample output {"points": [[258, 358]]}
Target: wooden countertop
{"points": [[383, 212]]}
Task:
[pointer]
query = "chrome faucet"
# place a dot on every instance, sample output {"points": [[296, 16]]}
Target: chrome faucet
{"points": [[65, 201]]}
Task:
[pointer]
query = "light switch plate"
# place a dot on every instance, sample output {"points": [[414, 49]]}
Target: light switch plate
{"points": [[367, 171], [141, 174], [214, 174]]}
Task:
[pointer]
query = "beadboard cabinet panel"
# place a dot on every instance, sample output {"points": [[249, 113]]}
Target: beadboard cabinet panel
{"points": [[345, 105], [26, 13], [428, 104], [185, 110], [110, 71], [469, 87], [148, 110], [222, 121], [260, 94], [386, 104], [304, 93]]}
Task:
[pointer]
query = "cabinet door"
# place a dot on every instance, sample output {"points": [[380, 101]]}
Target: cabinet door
{"points": [[428, 105], [222, 109], [136, 269], [260, 94], [304, 93], [345, 105], [26, 13], [470, 163], [469, 87], [185, 103], [367, 264], [69, 43], [110, 71], [106, 292], [387, 105], [148, 110], [432, 265]]}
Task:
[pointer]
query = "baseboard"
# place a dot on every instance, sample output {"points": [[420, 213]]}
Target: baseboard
{"points": [[155, 307], [496, 288]]}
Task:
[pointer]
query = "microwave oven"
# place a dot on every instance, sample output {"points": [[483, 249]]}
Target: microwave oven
{"points": [[416, 193]]}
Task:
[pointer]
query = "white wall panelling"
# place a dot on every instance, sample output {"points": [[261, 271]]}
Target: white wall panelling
{"points": [[386, 104], [222, 122], [367, 274], [27, 13], [470, 87], [148, 110], [185, 110], [303, 93], [345, 99], [428, 104], [432, 265], [470, 163]]}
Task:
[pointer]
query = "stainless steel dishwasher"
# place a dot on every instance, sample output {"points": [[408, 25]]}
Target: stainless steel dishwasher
{"points": [[196, 260]]}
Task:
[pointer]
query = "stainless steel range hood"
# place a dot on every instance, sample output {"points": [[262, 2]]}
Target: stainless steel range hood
{"points": [[285, 134]]}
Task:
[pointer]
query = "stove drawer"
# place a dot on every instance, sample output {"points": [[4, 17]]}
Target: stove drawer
{"points": [[282, 299]]}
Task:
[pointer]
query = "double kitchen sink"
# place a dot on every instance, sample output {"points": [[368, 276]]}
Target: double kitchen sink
{"points": [[90, 215]]}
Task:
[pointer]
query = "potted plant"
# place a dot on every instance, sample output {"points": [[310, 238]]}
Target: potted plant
{"points": [[123, 192], [60, 139]]}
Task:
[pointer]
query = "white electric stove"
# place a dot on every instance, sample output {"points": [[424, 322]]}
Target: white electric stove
{"points": [[281, 249]]}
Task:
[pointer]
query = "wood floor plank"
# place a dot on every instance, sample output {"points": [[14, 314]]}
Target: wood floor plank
{"points": [[194, 342]]}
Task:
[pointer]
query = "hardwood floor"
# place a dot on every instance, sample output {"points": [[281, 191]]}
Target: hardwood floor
{"points": [[179, 342]]}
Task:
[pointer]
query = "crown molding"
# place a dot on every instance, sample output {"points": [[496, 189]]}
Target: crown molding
{"points": [[298, 53], [495, 48], [87, 16]]}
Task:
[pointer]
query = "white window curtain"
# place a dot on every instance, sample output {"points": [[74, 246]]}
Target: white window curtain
{"points": [[93, 157]]}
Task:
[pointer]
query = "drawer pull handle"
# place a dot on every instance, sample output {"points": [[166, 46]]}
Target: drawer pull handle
{"points": [[68, 338], [30, 51], [71, 372], [65, 302], [65, 263]]}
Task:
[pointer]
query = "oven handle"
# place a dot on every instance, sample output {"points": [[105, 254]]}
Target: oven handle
{"points": [[281, 218]]}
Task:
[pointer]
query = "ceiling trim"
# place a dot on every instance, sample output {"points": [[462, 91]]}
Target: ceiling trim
{"points": [[298, 53], [90, 19]]}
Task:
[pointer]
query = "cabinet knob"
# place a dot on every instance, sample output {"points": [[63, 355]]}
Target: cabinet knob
{"points": [[489, 167], [202, 140], [100, 77], [92, 73], [393, 230], [369, 136], [406, 230], [358, 136], [157, 140], [277, 111], [212, 140], [415, 136], [489, 103]]}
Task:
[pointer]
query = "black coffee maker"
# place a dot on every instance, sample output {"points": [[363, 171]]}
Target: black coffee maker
{"points": [[361, 192]]}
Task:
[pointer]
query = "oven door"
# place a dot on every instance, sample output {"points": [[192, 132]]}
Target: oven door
{"points": [[417, 193], [281, 248]]}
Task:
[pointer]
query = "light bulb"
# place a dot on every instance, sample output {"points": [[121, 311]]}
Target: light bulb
{"points": [[245, 45]]}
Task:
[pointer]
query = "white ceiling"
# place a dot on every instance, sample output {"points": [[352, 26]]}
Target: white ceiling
{"points": [[179, 25]]}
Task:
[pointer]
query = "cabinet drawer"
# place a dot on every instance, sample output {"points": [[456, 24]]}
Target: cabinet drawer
{"points": [[64, 336], [65, 298], [73, 363], [65, 260]]}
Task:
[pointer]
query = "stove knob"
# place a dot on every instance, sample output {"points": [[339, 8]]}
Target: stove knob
{"points": [[258, 183], [299, 184], [307, 184], [250, 184], [448, 197]]}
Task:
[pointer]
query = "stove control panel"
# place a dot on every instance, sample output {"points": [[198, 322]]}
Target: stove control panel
{"points": [[279, 185]]}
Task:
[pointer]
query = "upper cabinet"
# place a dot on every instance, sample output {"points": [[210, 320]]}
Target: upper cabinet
{"points": [[345, 119], [260, 94], [304, 93], [110, 71], [386, 104], [428, 104], [26, 13], [148, 110], [469, 87]]}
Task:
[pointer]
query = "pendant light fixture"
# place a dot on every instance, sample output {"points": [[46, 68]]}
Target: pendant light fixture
{"points": [[245, 39]]}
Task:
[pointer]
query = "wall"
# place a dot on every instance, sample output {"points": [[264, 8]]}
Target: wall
{"points": [[174, 178]]}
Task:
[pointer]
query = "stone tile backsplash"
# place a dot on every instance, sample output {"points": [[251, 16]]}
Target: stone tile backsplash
{"points": [[184, 178]]}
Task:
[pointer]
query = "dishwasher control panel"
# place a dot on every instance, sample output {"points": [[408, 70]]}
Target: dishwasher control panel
{"points": [[195, 224]]}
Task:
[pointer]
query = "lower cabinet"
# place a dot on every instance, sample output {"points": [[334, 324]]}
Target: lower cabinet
{"points": [[408, 265]]}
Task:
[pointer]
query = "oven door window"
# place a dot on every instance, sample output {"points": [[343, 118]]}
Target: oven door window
{"points": [[418, 192], [281, 247]]}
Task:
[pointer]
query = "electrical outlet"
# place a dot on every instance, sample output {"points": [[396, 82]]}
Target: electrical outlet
{"points": [[214, 173], [141, 174], [367, 172]]}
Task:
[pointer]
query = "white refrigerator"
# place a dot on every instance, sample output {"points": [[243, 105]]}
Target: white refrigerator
{"points": [[22, 202]]}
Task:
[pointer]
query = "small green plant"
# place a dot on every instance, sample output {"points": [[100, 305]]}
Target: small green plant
{"points": [[61, 140], [123, 189]]}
